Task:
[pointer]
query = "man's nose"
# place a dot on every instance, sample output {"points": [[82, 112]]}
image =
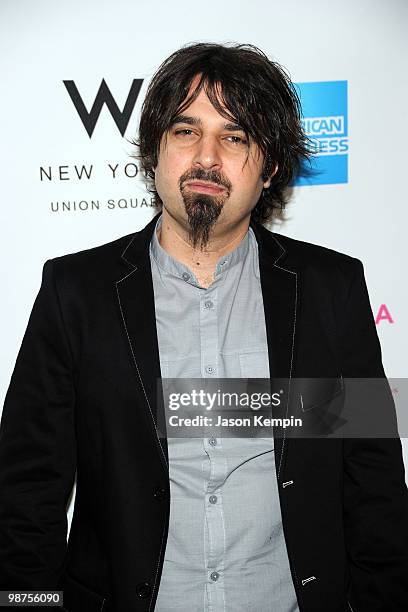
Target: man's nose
{"points": [[207, 154]]}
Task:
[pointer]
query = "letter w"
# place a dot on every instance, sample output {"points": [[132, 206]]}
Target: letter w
{"points": [[104, 96]]}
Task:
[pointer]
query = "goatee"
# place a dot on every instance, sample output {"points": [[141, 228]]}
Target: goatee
{"points": [[203, 209]]}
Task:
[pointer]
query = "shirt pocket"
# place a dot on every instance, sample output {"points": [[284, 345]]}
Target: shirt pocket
{"points": [[254, 363], [182, 367]]}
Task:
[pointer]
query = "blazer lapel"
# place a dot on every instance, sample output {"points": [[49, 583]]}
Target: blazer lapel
{"points": [[279, 283], [135, 295]]}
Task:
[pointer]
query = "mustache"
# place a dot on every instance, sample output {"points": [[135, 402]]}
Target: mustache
{"points": [[205, 175]]}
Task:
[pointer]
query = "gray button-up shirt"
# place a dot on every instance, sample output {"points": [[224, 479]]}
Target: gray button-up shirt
{"points": [[226, 550]]}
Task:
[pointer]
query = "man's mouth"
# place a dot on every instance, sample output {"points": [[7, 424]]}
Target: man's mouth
{"points": [[205, 187]]}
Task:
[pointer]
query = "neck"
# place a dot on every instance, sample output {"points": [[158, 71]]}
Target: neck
{"points": [[173, 238]]}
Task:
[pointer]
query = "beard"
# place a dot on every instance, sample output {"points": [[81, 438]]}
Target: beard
{"points": [[203, 209]]}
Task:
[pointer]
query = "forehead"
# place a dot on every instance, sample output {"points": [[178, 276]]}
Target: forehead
{"points": [[203, 108], [203, 105]]}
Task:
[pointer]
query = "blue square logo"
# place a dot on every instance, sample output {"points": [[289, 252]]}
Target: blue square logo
{"points": [[324, 117]]}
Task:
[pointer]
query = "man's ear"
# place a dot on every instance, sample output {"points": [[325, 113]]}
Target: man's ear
{"points": [[268, 181]]}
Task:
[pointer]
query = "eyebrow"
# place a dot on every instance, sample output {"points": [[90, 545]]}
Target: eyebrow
{"points": [[189, 120]]}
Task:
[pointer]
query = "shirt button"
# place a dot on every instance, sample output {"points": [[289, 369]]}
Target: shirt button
{"points": [[214, 576], [208, 304], [185, 276], [143, 590], [159, 493], [212, 441], [212, 499], [209, 369]]}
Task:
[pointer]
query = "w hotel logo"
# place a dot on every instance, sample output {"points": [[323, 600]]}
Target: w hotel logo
{"points": [[325, 121], [104, 96]]}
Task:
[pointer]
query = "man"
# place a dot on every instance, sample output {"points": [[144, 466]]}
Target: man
{"points": [[203, 291]]}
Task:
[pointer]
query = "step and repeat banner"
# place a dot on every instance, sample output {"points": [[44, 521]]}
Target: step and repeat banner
{"points": [[74, 75]]}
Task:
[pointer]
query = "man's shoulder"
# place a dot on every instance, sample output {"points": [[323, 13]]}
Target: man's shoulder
{"points": [[309, 254], [97, 254], [112, 254], [94, 265], [315, 263]]}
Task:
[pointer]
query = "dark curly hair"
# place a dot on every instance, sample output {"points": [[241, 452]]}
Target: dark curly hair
{"points": [[244, 86]]}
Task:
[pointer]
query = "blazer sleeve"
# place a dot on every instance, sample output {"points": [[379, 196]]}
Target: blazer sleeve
{"points": [[375, 493], [37, 449]]}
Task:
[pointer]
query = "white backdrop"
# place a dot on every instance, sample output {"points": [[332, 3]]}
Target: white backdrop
{"points": [[44, 43]]}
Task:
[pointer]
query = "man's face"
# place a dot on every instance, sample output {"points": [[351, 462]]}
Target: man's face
{"points": [[208, 176]]}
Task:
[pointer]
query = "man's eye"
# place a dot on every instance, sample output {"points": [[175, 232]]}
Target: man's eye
{"points": [[184, 132], [237, 140]]}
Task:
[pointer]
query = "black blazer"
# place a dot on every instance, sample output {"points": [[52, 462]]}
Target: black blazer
{"points": [[82, 399]]}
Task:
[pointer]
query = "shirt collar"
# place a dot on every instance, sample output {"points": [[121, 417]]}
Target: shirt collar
{"points": [[170, 265]]}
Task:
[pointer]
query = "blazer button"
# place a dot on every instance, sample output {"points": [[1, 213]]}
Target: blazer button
{"points": [[143, 590], [159, 493]]}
